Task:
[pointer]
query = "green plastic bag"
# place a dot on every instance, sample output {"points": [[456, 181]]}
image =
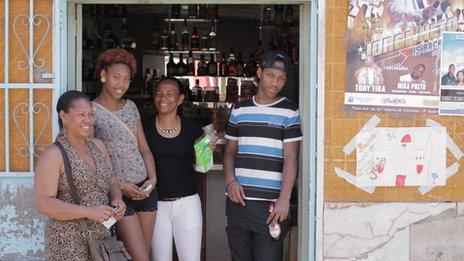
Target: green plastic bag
{"points": [[203, 154]]}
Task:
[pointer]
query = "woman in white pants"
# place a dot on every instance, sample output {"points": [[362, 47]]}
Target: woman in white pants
{"points": [[182, 220], [171, 138]]}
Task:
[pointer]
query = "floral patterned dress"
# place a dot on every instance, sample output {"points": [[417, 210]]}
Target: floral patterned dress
{"points": [[64, 240], [122, 146]]}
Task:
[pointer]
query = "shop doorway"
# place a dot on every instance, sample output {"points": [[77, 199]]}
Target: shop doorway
{"points": [[93, 26]]}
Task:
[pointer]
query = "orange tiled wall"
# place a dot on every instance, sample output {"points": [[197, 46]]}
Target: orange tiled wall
{"points": [[19, 72], [18, 40], [19, 130], [341, 126], [43, 119]]}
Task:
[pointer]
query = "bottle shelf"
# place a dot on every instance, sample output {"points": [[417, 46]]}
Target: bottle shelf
{"points": [[243, 78], [167, 52], [211, 105], [263, 27], [190, 20]]}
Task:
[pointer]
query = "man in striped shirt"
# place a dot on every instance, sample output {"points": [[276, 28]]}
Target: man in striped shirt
{"points": [[260, 165]]}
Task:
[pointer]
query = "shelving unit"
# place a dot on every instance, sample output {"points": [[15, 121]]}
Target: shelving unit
{"points": [[219, 81], [262, 27], [196, 20], [211, 105], [238, 78], [177, 52]]}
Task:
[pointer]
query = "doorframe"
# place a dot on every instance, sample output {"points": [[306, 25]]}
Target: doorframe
{"points": [[318, 185], [71, 57], [307, 103]]}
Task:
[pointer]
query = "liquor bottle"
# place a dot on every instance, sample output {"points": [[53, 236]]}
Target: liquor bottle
{"points": [[184, 38], [197, 92], [250, 67], [171, 66], [154, 80], [181, 66], [204, 44], [247, 90], [279, 15], [91, 39], [202, 66], [173, 38], [202, 11], [289, 15], [211, 95], [212, 38], [223, 68], [192, 11], [272, 46], [195, 40], [259, 52], [175, 11], [190, 64], [231, 90], [120, 11], [215, 118], [110, 40], [95, 11], [184, 11], [97, 36], [212, 66], [127, 41], [164, 40], [231, 63], [267, 15], [239, 64], [155, 39], [212, 12], [187, 91], [146, 81]]}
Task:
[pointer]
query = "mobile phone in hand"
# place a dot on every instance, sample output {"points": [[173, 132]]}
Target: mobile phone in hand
{"points": [[274, 231], [147, 188], [110, 221]]}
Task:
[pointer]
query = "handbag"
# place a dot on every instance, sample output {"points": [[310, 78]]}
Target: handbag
{"points": [[107, 249]]}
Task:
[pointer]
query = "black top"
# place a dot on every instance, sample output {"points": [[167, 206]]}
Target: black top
{"points": [[174, 158]]}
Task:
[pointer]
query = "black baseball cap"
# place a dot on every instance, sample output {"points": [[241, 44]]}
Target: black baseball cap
{"points": [[271, 57]]}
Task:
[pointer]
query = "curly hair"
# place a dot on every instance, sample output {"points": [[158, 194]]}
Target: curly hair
{"points": [[115, 56]]}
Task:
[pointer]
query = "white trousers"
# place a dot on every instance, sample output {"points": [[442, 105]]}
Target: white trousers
{"points": [[181, 220]]}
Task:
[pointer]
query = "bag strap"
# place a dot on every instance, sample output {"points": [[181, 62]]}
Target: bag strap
{"points": [[123, 124], [71, 184]]}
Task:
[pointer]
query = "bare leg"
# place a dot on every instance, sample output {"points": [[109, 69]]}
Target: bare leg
{"points": [[130, 231], [147, 223]]}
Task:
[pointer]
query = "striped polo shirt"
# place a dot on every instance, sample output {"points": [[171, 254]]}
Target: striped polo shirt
{"points": [[261, 131]]}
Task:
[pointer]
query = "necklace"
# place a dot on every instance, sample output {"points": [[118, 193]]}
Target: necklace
{"points": [[167, 131]]}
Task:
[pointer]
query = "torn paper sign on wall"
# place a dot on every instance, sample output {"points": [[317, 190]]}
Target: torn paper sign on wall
{"points": [[401, 157]]}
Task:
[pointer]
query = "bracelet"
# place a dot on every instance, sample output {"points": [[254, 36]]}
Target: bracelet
{"points": [[230, 182]]}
